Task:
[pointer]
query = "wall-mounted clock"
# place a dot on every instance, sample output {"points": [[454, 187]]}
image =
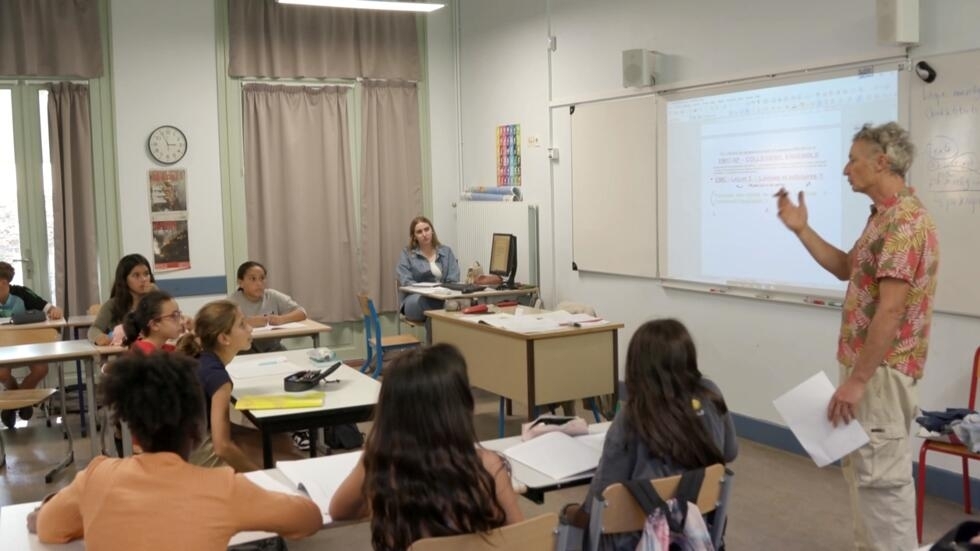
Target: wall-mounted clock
{"points": [[167, 144]]}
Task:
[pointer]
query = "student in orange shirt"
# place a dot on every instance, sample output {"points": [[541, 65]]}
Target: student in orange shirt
{"points": [[157, 500]]}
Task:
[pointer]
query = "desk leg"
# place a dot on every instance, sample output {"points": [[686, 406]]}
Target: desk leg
{"points": [[314, 433], [532, 404], [316, 340], [267, 462], [70, 453], [81, 392], [90, 393]]}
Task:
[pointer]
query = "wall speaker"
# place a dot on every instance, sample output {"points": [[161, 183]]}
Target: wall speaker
{"points": [[640, 68], [898, 21]]}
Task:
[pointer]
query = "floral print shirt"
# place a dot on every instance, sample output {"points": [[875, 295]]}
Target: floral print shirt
{"points": [[898, 242]]}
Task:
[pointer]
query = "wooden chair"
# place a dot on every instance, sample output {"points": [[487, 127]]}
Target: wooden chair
{"points": [[616, 512], [535, 534], [16, 399], [956, 450], [375, 343]]}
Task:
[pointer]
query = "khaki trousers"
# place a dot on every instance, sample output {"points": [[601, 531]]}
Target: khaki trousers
{"points": [[879, 474]]}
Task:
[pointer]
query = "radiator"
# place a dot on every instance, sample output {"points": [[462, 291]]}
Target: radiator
{"points": [[477, 221]]}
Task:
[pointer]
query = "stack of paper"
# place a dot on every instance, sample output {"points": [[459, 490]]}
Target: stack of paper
{"points": [[556, 454], [246, 369], [280, 401], [318, 481], [290, 325], [804, 409]]}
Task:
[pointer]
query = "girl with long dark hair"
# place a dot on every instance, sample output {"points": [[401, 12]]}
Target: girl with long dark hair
{"points": [[134, 278], [422, 474], [674, 419]]}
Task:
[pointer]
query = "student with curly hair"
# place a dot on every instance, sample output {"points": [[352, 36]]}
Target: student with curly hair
{"points": [[157, 500], [220, 333], [422, 473], [674, 420]]}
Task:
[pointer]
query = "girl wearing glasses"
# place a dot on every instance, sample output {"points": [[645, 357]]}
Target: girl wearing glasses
{"points": [[155, 321]]}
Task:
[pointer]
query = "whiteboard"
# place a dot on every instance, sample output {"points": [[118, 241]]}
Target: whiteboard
{"points": [[614, 186], [945, 126]]}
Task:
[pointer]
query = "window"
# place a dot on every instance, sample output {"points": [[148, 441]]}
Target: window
{"points": [[26, 214]]}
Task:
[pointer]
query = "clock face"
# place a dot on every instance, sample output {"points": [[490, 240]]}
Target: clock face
{"points": [[167, 145]]}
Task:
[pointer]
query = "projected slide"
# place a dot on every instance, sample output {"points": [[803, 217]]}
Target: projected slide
{"points": [[728, 153]]}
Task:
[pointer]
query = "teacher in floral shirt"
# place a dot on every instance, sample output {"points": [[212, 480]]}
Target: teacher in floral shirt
{"points": [[884, 336]]}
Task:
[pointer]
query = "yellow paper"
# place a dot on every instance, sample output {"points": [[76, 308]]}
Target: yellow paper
{"points": [[281, 401]]}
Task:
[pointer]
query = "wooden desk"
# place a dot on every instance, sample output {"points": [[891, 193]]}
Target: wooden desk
{"points": [[351, 400], [309, 328], [535, 368], [62, 351]]}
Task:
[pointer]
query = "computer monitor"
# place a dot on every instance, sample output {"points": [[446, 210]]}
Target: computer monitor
{"points": [[503, 257]]}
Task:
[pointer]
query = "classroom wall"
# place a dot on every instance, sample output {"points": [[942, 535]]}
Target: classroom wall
{"points": [[163, 64], [755, 350]]}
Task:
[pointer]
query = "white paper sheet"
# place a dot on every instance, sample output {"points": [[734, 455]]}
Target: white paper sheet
{"points": [[272, 328], [556, 454], [320, 478], [247, 369], [804, 408]]}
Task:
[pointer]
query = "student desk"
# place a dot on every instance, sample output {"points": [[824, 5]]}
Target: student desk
{"points": [[61, 351], [351, 400], [535, 368], [305, 328], [535, 483]]}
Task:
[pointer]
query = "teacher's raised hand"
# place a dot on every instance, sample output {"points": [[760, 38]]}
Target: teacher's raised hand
{"points": [[793, 216]]}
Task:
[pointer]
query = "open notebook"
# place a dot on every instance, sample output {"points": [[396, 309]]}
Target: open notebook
{"points": [[557, 455]]}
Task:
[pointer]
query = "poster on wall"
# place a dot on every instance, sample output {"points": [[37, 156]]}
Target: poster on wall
{"points": [[509, 155], [168, 218]]}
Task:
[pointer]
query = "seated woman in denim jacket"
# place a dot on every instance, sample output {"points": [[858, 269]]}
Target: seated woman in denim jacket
{"points": [[424, 260]]}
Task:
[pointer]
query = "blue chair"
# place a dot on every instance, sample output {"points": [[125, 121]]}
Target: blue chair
{"points": [[375, 343]]}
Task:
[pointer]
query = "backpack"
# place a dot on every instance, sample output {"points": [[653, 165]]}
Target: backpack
{"points": [[344, 437], [675, 524]]}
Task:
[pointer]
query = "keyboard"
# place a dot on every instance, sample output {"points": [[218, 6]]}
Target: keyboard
{"points": [[462, 287]]}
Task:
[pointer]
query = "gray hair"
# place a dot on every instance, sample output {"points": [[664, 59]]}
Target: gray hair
{"points": [[893, 141]]}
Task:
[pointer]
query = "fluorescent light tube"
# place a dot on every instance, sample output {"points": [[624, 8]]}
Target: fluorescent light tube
{"points": [[367, 4]]}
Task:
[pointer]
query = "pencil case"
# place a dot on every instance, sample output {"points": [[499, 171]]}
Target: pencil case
{"points": [[307, 380]]}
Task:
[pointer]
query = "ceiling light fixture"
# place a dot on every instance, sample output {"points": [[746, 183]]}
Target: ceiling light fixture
{"points": [[368, 5]]}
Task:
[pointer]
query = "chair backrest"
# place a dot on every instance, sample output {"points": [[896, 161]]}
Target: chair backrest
{"points": [[372, 323], [535, 534], [34, 335], [621, 513], [973, 380]]}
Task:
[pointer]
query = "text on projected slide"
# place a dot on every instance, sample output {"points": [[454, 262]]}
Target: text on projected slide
{"points": [[728, 153]]}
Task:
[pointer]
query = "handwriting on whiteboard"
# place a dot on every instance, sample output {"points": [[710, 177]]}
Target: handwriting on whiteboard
{"points": [[951, 169]]}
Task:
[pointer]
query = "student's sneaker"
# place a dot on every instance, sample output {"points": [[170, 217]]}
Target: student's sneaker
{"points": [[9, 418], [301, 439], [26, 412]]}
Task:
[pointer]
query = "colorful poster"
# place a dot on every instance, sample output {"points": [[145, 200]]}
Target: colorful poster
{"points": [[509, 155], [168, 215]]}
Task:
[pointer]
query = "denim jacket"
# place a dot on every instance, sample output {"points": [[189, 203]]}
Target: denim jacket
{"points": [[413, 267]]}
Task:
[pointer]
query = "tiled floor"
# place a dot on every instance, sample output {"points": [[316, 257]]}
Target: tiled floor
{"points": [[779, 500]]}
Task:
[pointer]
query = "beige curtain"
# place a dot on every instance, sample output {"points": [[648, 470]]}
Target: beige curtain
{"points": [[391, 183], [70, 138], [50, 38], [267, 39], [297, 194]]}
